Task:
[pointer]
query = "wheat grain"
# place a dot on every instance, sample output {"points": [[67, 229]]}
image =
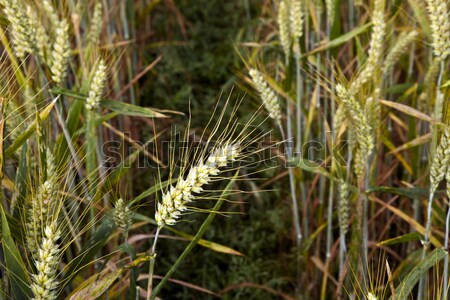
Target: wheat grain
{"points": [[174, 201]]}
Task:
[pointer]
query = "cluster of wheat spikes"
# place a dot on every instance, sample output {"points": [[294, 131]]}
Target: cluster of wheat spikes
{"points": [[58, 227], [358, 92], [350, 88]]}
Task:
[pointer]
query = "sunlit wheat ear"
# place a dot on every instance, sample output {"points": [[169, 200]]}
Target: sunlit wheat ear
{"points": [[47, 260], [400, 47], [96, 23], [97, 86], [61, 52], [268, 96], [174, 201], [296, 18], [123, 216], [21, 30], [441, 160], [375, 48], [283, 26], [343, 206], [438, 14]]}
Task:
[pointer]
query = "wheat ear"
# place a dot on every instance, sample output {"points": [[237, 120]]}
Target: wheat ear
{"points": [[21, 28], [123, 216], [284, 28], [61, 52], [400, 47], [296, 18], [96, 23], [268, 96], [174, 201], [97, 86], [375, 48], [438, 14], [44, 281]]}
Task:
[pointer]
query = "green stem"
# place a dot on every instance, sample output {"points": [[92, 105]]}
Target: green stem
{"points": [[152, 264]]}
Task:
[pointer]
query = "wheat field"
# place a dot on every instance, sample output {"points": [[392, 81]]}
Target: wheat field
{"points": [[243, 149]]}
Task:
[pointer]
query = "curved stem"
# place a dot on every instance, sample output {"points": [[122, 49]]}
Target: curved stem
{"points": [[152, 264]]}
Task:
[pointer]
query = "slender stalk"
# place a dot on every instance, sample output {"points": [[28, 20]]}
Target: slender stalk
{"points": [[299, 115], [439, 96], [426, 242], [446, 260], [152, 264], [365, 225], [295, 213]]}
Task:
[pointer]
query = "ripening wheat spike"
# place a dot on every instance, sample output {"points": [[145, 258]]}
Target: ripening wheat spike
{"points": [[268, 96], [438, 14], [97, 86], [61, 52], [284, 28], [174, 201]]}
